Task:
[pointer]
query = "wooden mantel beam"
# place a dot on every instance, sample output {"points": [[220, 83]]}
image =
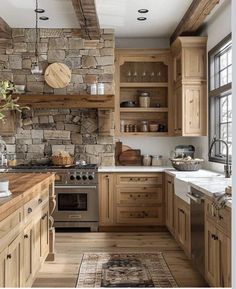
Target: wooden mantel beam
{"points": [[5, 29], [87, 15], [193, 18]]}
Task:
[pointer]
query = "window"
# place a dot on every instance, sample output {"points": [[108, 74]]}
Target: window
{"points": [[220, 98]]}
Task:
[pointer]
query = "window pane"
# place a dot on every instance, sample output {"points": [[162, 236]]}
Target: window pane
{"points": [[230, 108], [230, 74], [223, 109], [230, 56], [223, 60], [223, 77]]}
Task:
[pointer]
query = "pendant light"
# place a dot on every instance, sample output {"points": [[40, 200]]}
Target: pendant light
{"points": [[36, 69]]}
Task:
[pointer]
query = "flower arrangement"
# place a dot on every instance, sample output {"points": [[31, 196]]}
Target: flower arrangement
{"points": [[7, 102]]}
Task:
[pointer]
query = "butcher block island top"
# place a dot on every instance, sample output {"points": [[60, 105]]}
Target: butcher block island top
{"points": [[24, 186]]}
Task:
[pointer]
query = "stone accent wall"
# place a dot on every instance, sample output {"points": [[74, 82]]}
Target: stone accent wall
{"points": [[87, 134]]}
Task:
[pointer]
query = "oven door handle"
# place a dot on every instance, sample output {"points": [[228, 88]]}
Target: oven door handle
{"points": [[75, 187], [197, 200]]}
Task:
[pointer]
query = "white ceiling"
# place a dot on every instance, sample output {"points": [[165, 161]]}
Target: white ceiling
{"points": [[121, 15], [20, 13], [162, 18]]}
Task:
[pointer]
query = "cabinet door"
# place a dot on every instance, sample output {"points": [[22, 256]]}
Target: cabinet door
{"points": [[224, 260], [210, 254], [195, 110], [14, 263], [106, 199], [3, 260], [194, 63], [178, 111], [28, 254], [170, 203], [8, 127], [44, 236], [37, 245], [182, 224]]}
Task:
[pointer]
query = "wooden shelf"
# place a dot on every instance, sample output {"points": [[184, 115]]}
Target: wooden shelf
{"points": [[141, 109], [143, 84], [143, 134], [67, 101]]}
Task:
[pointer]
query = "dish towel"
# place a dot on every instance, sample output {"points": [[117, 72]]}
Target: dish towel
{"points": [[220, 200]]}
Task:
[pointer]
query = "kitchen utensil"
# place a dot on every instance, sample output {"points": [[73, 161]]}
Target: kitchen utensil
{"points": [[118, 151], [57, 75], [147, 160], [153, 126], [130, 158], [144, 126], [125, 148], [144, 99], [157, 160]]}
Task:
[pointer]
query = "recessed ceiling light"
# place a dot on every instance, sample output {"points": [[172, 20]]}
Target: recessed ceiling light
{"points": [[143, 10], [141, 18], [44, 18], [39, 10]]}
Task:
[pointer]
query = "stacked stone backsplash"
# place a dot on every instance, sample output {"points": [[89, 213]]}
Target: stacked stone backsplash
{"points": [[87, 134]]}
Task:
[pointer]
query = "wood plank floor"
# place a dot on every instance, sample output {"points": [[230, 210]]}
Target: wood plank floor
{"points": [[63, 272]]}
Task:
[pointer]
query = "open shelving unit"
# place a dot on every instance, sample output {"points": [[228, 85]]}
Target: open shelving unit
{"points": [[138, 71]]}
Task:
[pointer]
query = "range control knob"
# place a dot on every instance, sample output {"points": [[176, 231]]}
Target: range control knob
{"points": [[78, 177], [72, 177], [84, 177], [90, 177]]}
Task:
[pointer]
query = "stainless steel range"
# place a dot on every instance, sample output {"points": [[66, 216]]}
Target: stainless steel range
{"points": [[76, 195]]}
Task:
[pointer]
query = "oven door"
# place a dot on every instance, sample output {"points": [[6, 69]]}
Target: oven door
{"points": [[76, 203]]}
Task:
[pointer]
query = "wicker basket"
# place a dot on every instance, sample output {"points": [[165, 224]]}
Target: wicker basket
{"points": [[62, 161], [186, 165]]}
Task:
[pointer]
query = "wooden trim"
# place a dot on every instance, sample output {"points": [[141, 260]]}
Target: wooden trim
{"points": [[194, 18], [133, 229], [87, 16], [5, 29], [67, 101]]}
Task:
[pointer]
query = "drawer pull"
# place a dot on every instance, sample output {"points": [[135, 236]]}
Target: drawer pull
{"points": [[26, 236], [131, 179], [8, 256], [139, 196], [40, 201], [131, 196], [220, 217], [30, 210], [44, 216]]}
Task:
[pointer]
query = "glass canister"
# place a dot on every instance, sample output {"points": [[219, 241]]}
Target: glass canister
{"points": [[144, 99], [147, 160], [144, 126], [157, 160]]}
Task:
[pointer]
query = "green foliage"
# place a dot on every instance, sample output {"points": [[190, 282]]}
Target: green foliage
{"points": [[7, 102]]}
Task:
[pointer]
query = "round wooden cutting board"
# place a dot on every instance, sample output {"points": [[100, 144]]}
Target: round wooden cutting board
{"points": [[57, 75]]}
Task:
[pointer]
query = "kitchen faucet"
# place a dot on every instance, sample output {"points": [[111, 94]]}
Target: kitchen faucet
{"points": [[2, 154], [227, 167]]}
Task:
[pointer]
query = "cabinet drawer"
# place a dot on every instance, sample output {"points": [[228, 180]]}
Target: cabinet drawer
{"points": [[10, 222], [139, 196], [139, 216], [139, 179]]}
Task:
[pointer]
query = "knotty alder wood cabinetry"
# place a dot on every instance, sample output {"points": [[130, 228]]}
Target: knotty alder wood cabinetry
{"points": [[131, 199], [189, 86], [24, 234], [217, 245], [169, 203], [139, 70]]}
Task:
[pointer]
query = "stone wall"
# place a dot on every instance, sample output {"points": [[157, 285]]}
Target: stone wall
{"points": [[87, 134]]}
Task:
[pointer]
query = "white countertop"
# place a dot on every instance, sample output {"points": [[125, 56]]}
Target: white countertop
{"points": [[132, 169]]}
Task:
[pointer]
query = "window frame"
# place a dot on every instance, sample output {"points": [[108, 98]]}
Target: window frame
{"points": [[213, 97]]}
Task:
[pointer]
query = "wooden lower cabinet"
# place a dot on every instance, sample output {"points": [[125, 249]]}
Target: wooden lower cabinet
{"points": [[217, 256], [131, 199], [182, 224], [29, 238], [169, 203], [44, 236]]}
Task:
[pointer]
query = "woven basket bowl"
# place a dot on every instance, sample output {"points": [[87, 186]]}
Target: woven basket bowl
{"points": [[62, 161], [186, 165]]}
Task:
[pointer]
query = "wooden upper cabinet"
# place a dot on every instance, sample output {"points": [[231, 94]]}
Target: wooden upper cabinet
{"points": [[8, 126], [190, 105]]}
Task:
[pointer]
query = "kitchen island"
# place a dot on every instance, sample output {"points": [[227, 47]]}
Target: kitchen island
{"points": [[27, 234]]}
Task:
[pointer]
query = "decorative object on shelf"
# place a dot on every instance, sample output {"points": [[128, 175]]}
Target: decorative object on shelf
{"points": [[162, 127], [147, 160], [128, 104], [20, 88], [144, 99], [57, 75], [157, 160], [101, 88], [93, 89], [36, 69], [7, 88], [153, 126], [144, 126]]}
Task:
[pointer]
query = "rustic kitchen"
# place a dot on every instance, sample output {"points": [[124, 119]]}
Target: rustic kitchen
{"points": [[115, 143]]}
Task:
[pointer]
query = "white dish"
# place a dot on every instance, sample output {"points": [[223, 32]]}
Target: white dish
{"points": [[5, 194], [4, 186]]}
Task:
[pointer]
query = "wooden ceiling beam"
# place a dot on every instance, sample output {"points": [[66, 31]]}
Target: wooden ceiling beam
{"points": [[194, 18], [5, 29], [87, 15]]}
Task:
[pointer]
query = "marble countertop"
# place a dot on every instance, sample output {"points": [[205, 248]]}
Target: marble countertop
{"points": [[132, 169]]}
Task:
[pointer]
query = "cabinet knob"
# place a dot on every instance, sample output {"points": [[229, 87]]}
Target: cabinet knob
{"points": [[8, 256], [131, 196], [220, 217], [30, 210], [26, 236], [40, 201]]}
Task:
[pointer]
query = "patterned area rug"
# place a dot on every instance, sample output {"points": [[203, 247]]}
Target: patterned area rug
{"points": [[124, 270]]}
